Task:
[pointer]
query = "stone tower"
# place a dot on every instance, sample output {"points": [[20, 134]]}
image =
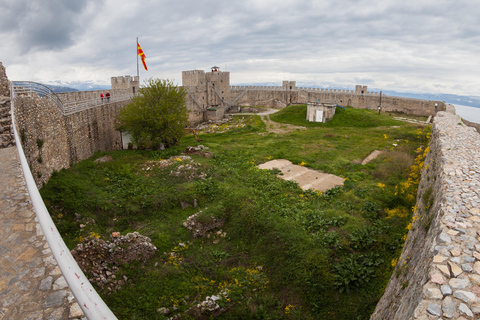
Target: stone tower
{"points": [[359, 89], [126, 85], [209, 89]]}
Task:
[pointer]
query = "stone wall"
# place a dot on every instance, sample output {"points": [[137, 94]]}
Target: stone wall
{"points": [[52, 141], [7, 138], [202, 96], [438, 274], [4, 83], [93, 130], [41, 127], [345, 98]]}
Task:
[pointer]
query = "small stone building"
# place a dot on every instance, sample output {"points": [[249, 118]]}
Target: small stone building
{"points": [[320, 112]]}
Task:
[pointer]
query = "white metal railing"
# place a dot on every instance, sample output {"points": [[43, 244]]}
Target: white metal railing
{"points": [[29, 88], [75, 106], [87, 298]]}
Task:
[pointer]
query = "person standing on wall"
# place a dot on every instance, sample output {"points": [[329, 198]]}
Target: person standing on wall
{"points": [[108, 96], [101, 96]]}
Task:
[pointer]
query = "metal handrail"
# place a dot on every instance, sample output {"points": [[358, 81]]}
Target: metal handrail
{"points": [[30, 88], [194, 99], [75, 106], [88, 299]]}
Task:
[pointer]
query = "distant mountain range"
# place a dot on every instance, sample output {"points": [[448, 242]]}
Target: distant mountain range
{"points": [[471, 101], [59, 86]]}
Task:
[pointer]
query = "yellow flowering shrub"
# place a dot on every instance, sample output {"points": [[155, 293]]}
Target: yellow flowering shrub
{"points": [[397, 212]]}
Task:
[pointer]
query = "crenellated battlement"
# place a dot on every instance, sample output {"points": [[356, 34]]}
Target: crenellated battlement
{"points": [[310, 89], [124, 85], [212, 89], [193, 72]]}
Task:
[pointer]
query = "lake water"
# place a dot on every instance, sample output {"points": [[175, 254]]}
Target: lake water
{"points": [[468, 113]]}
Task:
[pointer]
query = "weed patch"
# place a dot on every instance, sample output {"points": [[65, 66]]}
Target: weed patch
{"points": [[279, 252]]}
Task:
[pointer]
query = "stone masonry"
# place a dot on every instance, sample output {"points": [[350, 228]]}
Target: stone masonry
{"points": [[6, 132], [438, 274], [211, 91], [31, 284], [52, 141]]}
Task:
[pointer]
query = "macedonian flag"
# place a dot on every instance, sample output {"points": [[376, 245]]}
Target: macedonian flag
{"points": [[142, 55]]}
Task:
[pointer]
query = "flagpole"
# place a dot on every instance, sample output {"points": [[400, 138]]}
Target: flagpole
{"points": [[138, 75]]}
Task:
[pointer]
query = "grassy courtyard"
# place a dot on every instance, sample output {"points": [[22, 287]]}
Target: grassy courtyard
{"points": [[280, 252]]}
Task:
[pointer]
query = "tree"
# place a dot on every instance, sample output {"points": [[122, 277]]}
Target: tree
{"points": [[156, 115]]}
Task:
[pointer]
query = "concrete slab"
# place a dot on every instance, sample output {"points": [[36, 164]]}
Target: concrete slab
{"points": [[305, 177], [371, 156]]}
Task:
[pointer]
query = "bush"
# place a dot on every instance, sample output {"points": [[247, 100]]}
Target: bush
{"points": [[356, 271], [157, 115], [394, 163]]}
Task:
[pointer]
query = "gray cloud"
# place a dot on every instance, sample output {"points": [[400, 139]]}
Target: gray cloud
{"points": [[410, 45], [43, 25]]}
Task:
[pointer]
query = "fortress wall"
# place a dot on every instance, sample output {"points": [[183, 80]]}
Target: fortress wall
{"points": [[195, 115], [40, 121], [80, 96], [93, 130], [254, 97], [344, 98], [63, 139], [120, 86], [438, 273]]}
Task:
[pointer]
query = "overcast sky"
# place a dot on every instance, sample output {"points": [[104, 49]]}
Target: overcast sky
{"points": [[410, 45]]}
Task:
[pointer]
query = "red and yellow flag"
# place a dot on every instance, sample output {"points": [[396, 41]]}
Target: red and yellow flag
{"points": [[142, 55]]}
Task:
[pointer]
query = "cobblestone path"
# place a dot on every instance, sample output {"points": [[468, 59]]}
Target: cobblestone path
{"points": [[31, 284]]}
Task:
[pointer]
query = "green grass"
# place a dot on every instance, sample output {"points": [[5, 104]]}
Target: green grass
{"points": [[287, 253], [348, 117]]}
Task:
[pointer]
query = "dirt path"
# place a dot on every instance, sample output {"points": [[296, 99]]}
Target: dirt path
{"points": [[275, 127], [279, 128]]}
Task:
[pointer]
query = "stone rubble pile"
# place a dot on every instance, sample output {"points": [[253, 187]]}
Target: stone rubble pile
{"points": [[190, 170], [199, 229], [199, 150], [208, 123], [101, 259], [219, 126], [206, 308], [152, 164]]}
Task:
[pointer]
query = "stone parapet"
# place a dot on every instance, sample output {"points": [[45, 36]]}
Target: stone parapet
{"points": [[438, 274]]}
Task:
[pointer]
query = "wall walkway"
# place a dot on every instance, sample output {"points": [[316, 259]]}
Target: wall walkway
{"points": [[438, 274], [35, 264], [31, 284]]}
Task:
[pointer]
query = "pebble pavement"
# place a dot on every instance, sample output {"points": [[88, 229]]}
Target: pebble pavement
{"points": [[453, 291], [31, 284]]}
